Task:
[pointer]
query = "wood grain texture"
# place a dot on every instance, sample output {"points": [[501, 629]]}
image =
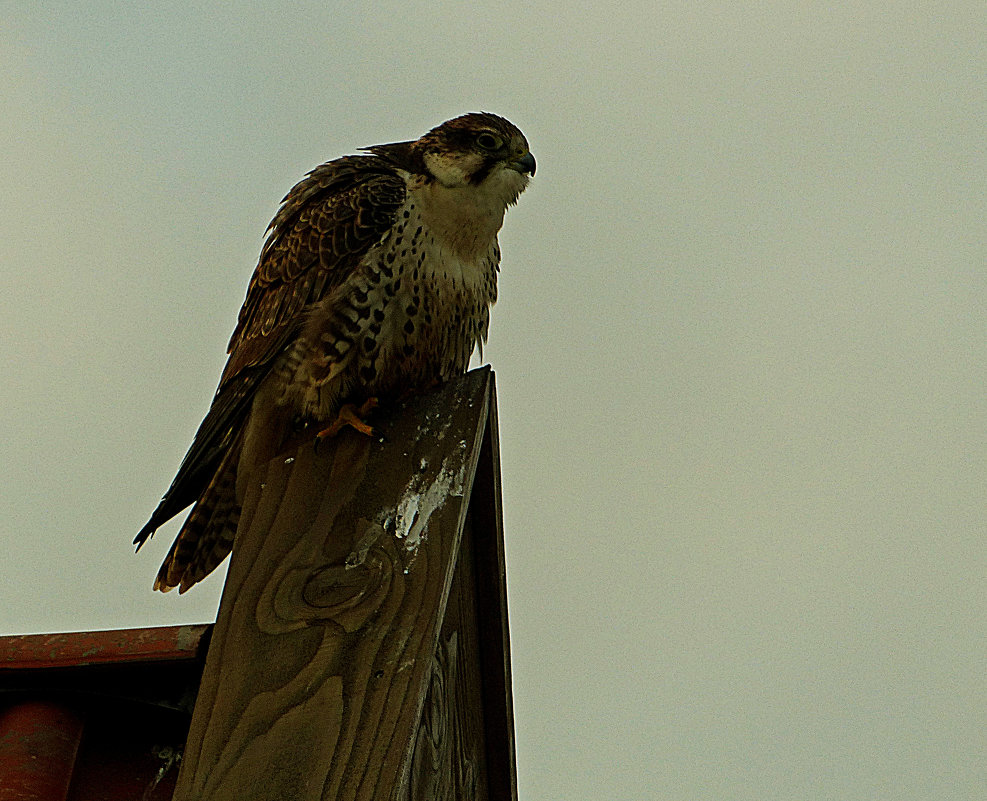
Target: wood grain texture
{"points": [[330, 633]]}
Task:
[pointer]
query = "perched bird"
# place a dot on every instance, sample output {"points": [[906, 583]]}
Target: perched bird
{"points": [[376, 279]]}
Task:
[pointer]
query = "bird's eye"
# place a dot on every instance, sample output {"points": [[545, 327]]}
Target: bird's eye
{"points": [[488, 141]]}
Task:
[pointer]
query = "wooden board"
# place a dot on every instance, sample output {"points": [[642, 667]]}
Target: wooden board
{"points": [[330, 632]]}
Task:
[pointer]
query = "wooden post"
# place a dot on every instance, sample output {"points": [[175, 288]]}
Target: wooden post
{"points": [[360, 651]]}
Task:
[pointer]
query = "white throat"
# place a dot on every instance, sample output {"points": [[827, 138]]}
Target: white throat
{"points": [[466, 217]]}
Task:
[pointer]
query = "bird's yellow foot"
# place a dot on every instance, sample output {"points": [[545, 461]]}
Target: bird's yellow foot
{"points": [[352, 416]]}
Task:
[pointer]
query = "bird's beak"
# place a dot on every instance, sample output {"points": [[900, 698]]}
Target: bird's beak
{"points": [[525, 164]]}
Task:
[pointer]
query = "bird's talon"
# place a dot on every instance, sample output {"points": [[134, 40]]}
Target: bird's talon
{"points": [[352, 416], [368, 406]]}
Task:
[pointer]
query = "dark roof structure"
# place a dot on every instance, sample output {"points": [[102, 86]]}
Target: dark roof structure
{"points": [[98, 714]]}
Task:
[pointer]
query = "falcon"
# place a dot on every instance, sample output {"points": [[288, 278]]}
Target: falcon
{"points": [[376, 280]]}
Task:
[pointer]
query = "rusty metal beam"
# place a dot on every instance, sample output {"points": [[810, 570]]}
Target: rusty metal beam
{"points": [[75, 649]]}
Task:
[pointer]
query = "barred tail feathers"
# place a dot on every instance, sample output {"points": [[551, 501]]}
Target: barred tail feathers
{"points": [[206, 538]]}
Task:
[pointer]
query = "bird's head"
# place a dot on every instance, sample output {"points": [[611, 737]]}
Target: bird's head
{"points": [[480, 150]]}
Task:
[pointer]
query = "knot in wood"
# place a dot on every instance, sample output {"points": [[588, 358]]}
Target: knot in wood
{"points": [[340, 586]]}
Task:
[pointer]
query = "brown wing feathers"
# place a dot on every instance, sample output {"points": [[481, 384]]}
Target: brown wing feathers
{"points": [[325, 225]]}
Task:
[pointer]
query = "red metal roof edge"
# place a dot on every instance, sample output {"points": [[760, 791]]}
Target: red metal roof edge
{"points": [[76, 649]]}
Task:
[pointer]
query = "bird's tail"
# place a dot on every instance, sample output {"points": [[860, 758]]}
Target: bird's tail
{"points": [[206, 538]]}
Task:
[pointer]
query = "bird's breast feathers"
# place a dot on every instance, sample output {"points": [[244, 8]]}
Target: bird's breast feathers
{"points": [[412, 313]]}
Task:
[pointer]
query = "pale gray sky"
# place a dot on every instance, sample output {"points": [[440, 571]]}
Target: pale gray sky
{"points": [[740, 351]]}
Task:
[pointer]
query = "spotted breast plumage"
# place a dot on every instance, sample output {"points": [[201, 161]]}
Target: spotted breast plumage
{"points": [[376, 280]]}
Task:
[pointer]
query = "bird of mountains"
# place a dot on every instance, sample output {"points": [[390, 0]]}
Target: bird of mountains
{"points": [[375, 281]]}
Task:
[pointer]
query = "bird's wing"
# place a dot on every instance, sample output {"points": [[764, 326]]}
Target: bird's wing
{"points": [[324, 227]]}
